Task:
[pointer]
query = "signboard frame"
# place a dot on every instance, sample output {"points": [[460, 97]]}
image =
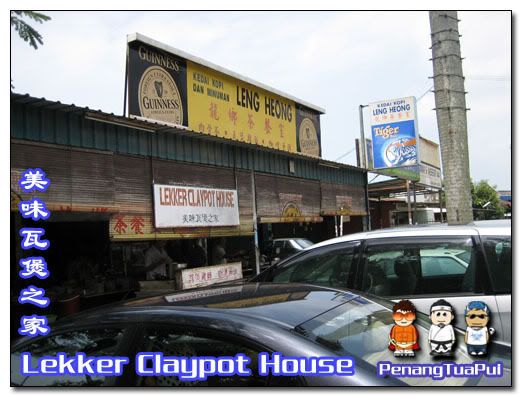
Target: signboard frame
{"points": [[169, 86], [208, 275], [180, 207], [389, 118]]}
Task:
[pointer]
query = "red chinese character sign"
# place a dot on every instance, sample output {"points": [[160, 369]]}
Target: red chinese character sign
{"points": [[167, 85], [202, 276]]}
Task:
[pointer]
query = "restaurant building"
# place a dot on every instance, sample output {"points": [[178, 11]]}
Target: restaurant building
{"points": [[119, 183]]}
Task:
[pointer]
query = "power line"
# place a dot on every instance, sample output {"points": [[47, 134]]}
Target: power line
{"points": [[344, 155], [423, 95], [489, 78]]}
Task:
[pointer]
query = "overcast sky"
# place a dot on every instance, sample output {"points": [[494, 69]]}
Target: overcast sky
{"points": [[336, 60]]}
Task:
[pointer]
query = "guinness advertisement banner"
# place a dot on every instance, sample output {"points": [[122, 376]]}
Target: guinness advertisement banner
{"points": [[167, 87], [157, 83]]}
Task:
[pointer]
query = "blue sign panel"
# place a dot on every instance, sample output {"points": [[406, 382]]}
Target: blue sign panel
{"points": [[394, 144]]}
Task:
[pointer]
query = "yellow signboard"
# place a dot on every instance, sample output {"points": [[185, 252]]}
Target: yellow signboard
{"points": [[223, 106], [169, 86]]}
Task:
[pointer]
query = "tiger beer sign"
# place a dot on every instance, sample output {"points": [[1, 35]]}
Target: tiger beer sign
{"points": [[167, 85], [394, 133]]}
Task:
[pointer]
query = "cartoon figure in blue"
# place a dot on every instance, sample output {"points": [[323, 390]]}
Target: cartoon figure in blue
{"points": [[477, 333]]}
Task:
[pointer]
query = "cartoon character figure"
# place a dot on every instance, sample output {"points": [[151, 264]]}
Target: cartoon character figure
{"points": [[441, 336], [404, 335], [477, 334]]}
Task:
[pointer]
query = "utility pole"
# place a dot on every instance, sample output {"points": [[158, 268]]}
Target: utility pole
{"points": [[450, 102], [363, 141], [362, 151]]}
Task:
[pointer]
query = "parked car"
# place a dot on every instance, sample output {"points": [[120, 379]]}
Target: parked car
{"points": [[423, 264], [281, 248], [293, 319]]}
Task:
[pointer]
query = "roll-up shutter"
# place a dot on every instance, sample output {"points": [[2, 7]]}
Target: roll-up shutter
{"points": [[349, 197], [172, 173], [81, 180], [133, 184], [284, 199], [135, 197], [92, 180]]}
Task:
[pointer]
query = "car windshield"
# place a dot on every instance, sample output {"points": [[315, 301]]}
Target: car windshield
{"points": [[303, 243], [360, 328]]}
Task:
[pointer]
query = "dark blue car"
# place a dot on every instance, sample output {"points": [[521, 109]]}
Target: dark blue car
{"points": [[293, 319]]}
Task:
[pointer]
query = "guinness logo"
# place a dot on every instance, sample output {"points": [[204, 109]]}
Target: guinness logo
{"points": [[159, 96], [308, 142], [291, 210], [158, 85]]}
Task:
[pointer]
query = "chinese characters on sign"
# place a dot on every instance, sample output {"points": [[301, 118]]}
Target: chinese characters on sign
{"points": [[35, 266], [200, 218], [394, 133], [167, 86], [191, 278]]}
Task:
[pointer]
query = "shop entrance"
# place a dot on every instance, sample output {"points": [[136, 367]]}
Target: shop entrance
{"points": [[79, 262]]}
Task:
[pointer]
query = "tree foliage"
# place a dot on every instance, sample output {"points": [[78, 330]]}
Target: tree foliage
{"points": [[486, 202], [26, 31]]}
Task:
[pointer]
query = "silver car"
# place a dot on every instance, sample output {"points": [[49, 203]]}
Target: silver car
{"points": [[420, 263]]}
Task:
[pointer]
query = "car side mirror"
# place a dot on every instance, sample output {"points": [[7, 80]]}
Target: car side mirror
{"points": [[278, 250]]}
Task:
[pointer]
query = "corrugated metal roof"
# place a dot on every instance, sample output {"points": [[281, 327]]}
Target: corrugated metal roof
{"points": [[149, 125]]}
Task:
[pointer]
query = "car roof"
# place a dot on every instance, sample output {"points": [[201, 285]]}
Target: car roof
{"points": [[486, 228], [290, 238], [282, 304]]}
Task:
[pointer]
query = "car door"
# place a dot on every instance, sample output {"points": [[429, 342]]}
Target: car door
{"points": [[497, 250], [333, 266], [93, 341], [182, 341], [277, 251], [287, 250], [424, 269]]}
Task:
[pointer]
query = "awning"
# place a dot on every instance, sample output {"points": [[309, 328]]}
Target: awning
{"points": [[291, 219], [344, 213]]}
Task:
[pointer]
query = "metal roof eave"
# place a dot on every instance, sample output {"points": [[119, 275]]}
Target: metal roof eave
{"points": [[147, 40], [154, 126]]}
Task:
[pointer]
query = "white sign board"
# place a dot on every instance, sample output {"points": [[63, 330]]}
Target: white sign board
{"points": [[430, 176], [188, 206], [202, 276]]}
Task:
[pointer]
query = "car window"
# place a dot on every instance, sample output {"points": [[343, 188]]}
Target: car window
{"points": [[94, 342], [465, 256], [362, 330], [402, 267], [172, 342], [303, 243], [331, 267], [499, 257], [278, 245], [440, 266], [292, 245], [289, 248]]}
